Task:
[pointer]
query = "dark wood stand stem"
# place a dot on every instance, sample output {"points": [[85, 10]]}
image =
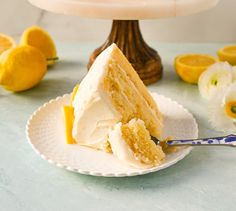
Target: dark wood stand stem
{"points": [[127, 36]]}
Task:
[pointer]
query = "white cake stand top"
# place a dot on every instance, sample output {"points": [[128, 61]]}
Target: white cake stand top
{"points": [[125, 9]]}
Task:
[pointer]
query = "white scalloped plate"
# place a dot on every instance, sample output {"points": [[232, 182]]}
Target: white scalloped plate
{"points": [[45, 133]]}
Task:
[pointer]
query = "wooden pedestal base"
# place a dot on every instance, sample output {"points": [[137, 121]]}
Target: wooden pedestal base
{"points": [[127, 36]]}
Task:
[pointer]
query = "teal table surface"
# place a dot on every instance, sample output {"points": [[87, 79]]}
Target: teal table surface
{"points": [[204, 180]]}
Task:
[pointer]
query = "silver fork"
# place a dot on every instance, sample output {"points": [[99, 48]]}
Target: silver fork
{"points": [[229, 140]]}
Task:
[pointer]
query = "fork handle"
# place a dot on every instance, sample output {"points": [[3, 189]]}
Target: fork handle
{"points": [[229, 140]]}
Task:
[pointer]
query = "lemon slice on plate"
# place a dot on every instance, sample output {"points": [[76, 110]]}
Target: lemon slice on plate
{"points": [[68, 112], [39, 38], [189, 67], [228, 53], [6, 43]]}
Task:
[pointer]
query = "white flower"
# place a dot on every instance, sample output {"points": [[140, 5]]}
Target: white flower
{"points": [[222, 110], [215, 79]]}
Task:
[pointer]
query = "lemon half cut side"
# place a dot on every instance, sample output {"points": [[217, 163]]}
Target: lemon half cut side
{"points": [[189, 67], [228, 54]]}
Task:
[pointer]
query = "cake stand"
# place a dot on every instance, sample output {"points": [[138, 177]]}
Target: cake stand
{"points": [[125, 30]]}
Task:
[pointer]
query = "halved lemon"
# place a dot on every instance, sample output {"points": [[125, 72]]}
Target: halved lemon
{"points": [[189, 67], [228, 54], [6, 43], [37, 37]]}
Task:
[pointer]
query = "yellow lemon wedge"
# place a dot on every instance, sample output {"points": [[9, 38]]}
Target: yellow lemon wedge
{"points": [[39, 38], [68, 121], [68, 112], [22, 68], [228, 54], [189, 67], [6, 43]]}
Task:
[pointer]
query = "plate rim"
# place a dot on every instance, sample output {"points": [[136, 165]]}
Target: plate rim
{"points": [[94, 173]]}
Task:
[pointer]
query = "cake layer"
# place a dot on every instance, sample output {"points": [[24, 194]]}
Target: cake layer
{"points": [[131, 143], [129, 95]]}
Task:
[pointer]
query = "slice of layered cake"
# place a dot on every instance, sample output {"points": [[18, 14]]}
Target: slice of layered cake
{"points": [[110, 93], [132, 143]]}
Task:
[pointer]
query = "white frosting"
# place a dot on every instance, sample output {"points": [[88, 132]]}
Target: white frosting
{"points": [[121, 149], [93, 110]]}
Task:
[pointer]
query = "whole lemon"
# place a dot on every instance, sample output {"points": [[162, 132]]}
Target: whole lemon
{"points": [[37, 37], [22, 68]]}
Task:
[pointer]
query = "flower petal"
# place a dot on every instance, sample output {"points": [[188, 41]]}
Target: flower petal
{"points": [[217, 111], [216, 78]]}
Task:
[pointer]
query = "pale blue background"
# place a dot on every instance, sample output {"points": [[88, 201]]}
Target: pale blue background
{"points": [[205, 180]]}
